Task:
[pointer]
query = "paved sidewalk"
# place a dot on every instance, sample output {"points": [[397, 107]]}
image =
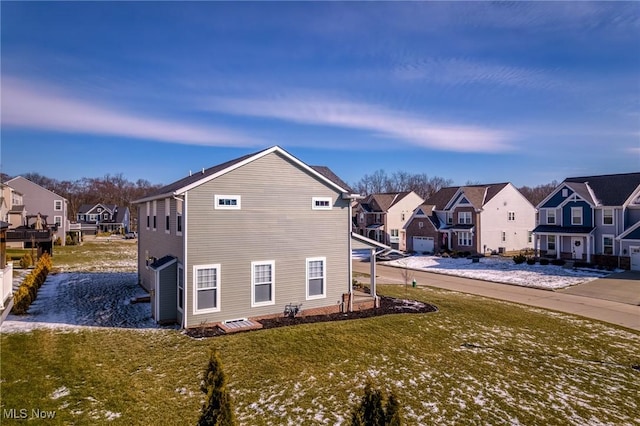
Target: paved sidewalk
{"points": [[622, 314]]}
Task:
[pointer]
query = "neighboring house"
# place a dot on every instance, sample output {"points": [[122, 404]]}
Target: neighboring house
{"points": [[382, 217], [249, 238], [51, 207], [593, 219], [103, 218], [473, 218], [12, 209]]}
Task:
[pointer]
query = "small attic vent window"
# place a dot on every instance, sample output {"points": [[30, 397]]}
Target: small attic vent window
{"points": [[565, 192], [227, 202], [321, 203]]}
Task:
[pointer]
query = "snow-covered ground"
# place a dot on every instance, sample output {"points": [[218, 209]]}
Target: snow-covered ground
{"points": [[72, 300], [502, 270]]}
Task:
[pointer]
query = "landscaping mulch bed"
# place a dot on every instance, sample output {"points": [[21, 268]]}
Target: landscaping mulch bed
{"points": [[388, 306]]}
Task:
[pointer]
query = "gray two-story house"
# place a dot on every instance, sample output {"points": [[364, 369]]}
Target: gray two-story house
{"points": [[102, 217], [592, 219], [39, 201], [246, 239]]}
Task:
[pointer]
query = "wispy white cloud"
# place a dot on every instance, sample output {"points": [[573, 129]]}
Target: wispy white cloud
{"points": [[377, 120], [460, 71], [38, 106]]}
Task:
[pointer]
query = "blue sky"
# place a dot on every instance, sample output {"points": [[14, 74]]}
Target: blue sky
{"points": [[486, 92]]}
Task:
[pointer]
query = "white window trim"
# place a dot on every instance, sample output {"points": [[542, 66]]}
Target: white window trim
{"points": [[197, 311], [179, 217], [324, 277], [612, 243], [613, 218], [462, 218], [148, 215], [555, 243], [565, 192], [420, 225], [154, 219], [255, 304], [469, 241], [55, 220], [555, 217], [217, 199], [55, 205], [167, 216], [572, 216], [316, 200], [503, 236], [180, 274]]}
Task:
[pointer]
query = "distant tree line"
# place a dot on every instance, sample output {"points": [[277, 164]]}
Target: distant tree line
{"points": [[425, 186], [110, 189]]}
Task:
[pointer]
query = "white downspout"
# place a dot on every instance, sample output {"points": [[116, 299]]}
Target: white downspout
{"points": [[185, 220]]}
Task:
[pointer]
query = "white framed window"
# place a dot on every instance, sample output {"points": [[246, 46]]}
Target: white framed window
{"points": [[105, 216], [511, 216], [576, 215], [394, 233], [167, 212], [57, 205], [464, 218], [206, 285], [179, 217], [361, 217], [551, 243], [420, 225], [530, 236], [321, 203], [93, 217], [607, 244], [263, 283], [449, 218], [155, 215], [227, 202], [180, 288], [148, 215], [57, 220], [565, 192], [551, 217], [99, 209], [464, 238], [377, 217], [316, 277], [503, 236], [607, 216]]}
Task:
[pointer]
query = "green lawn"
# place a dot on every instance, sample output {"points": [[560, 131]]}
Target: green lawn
{"points": [[476, 361]]}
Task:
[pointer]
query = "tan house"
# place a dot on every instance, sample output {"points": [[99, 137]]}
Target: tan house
{"points": [[257, 236], [382, 217], [473, 218]]}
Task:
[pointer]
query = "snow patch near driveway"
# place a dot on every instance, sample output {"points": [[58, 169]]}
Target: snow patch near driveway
{"points": [[501, 270], [73, 300]]}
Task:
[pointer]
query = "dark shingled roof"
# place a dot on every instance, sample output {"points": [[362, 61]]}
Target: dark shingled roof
{"points": [[328, 173], [553, 229], [609, 190], [478, 195], [381, 202], [159, 263]]}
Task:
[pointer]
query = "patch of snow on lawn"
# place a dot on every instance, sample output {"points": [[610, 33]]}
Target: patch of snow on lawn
{"points": [[73, 300], [501, 270], [60, 392]]}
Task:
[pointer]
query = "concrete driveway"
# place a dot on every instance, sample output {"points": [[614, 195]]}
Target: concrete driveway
{"points": [[623, 287]]}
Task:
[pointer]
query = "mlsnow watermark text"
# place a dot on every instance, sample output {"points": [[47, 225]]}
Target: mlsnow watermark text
{"points": [[25, 413]]}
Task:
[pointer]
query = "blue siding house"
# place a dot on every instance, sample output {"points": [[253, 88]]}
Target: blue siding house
{"points": [[592, 219]]}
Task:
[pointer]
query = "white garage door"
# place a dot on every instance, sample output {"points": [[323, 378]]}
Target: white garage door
{"points": [[423, 244], [635, 258]]}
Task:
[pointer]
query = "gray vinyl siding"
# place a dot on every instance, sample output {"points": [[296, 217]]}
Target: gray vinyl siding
{"points": [[275, 222], [156, 243], [168, 296]]}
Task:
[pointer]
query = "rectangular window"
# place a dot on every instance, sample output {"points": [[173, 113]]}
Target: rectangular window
{"points": [[148, 215], [262, 283], [402, 217], [530, 237], [503, 236], [316, 273], [420, 225], [464, 218], [105, 216], [206, 280], [321, 203], [576, 215], [57, 205], [449, 218], [155, 215], [57, 220], [607, 244], [179, 208], [551, 217], [227, 202], [607, 216], [180, 288], [551, 243], [394, 233], [361, 217], [93, 218], [167, 212], [511, 216], [565, 192], [464, 238]]}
